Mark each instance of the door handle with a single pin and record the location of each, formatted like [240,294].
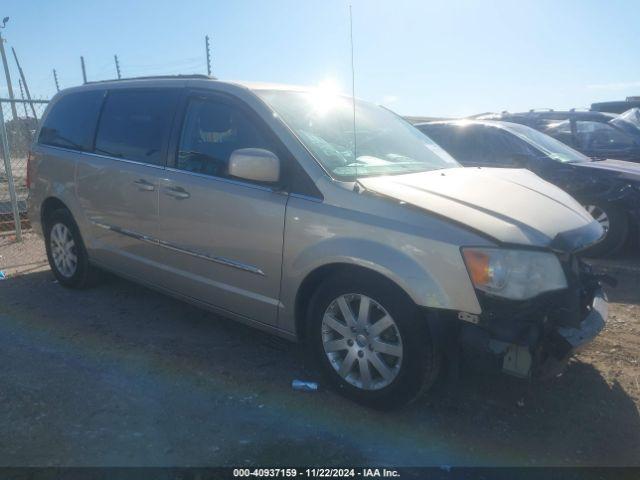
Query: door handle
[144,185]
[178,193]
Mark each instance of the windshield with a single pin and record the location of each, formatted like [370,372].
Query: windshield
[385,143]
[629,120]
[552,148]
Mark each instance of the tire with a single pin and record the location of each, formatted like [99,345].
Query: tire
[410,359]
[66,252]
[615,221]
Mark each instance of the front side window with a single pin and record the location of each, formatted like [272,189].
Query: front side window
[135,124]
[211,132]
[383,143]
[72,121]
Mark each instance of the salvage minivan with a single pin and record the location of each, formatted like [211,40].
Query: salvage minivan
[320,219]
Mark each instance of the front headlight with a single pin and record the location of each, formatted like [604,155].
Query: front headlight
[514,274]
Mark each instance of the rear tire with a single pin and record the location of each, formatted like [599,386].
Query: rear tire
[615,221]
[388,358]
[66,252]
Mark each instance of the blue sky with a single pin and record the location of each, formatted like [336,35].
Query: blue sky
[418,57]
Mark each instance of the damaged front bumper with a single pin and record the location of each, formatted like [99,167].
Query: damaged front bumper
[536,338]
[590,327]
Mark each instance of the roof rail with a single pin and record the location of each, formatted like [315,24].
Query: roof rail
[157,77]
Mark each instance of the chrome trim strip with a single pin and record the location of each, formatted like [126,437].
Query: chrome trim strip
[170,246]
[123,160]
[220,179]
[98,155]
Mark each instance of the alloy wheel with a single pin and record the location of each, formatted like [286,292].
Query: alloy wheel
[600,216]
[63,250]
[362,341]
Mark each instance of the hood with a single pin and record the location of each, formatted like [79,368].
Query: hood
[619,168]
[510,205]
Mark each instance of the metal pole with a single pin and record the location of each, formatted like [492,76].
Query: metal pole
[55,78]
[206,41]
[24,81]
[8,77]
[115,57]
[84,70]
[7,169]
[24,104]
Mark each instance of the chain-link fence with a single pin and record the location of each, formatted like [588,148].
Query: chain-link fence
[18,123]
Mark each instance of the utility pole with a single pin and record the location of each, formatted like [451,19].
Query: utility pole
[206,41]
[6,70]
[115,57]
[84,70]
[24,81]
[55,78]
[24,104]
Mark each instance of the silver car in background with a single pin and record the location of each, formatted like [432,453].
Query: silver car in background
[262,203]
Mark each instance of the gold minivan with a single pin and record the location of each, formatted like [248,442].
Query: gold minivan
[317,218]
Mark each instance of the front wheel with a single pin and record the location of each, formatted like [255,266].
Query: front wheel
[615,224]
[370,341]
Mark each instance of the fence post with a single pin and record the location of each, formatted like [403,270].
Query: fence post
[7,169]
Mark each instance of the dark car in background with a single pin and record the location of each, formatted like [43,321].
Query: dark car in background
[608,189]
[596,134]
[616,106]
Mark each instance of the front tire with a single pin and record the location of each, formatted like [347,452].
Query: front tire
[614,222]
[66,252]
[370,341]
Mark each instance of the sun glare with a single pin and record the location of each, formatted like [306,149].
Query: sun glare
[325,96]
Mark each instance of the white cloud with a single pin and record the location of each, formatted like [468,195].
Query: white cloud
[614,86]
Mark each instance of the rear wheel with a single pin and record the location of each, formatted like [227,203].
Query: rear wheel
[614,222]
[370,341]
[66,253]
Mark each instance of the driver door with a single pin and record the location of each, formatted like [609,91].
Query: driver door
[224,236]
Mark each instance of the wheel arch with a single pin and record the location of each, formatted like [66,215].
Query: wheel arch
[50,205]
[313,280]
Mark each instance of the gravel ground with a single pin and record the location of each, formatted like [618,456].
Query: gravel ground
[119,375]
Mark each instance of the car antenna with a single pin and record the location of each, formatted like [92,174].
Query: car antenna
[353,98]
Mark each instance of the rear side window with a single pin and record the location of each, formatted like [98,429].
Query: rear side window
[72,120]
[135,124]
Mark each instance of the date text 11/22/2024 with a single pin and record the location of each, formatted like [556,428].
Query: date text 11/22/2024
[316,472]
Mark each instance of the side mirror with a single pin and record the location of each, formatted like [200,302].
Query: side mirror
[254,164]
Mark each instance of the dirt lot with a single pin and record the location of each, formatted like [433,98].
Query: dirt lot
[121,375]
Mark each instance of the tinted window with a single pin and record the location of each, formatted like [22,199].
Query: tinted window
[72,120]
[600,136]
[134,125]
[450,139]
[211,132]
[479,145]
[560,130]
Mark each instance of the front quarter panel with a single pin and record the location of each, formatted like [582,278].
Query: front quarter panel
[417,251]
